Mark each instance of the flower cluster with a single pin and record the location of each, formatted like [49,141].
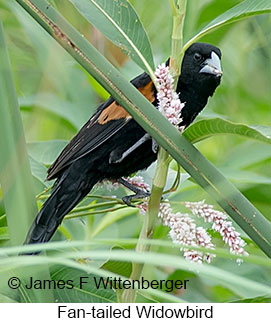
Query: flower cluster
[136,181]
[110,185]
[169,103]
[143,207]
[184,231]
[220,224]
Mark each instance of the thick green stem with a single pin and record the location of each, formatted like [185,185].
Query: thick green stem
[177,40]
[160,177]
[159,181]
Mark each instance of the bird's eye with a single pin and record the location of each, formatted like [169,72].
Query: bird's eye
[197,57]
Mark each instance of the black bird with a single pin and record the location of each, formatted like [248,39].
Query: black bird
[112,145]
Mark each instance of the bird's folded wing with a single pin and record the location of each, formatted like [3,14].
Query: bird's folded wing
[107,121]
[94,133]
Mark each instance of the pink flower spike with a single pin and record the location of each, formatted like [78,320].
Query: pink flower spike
[184,231]
[110,185]
[143,207]
[138,181]
[220,224]
[169,103]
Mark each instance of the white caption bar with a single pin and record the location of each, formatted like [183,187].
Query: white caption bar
[102,312]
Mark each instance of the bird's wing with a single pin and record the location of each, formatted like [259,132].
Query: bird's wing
[106,121]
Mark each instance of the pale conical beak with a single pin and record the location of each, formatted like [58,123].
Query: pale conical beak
[212,65]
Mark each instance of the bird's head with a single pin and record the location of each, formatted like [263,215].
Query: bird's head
[201,68]
[200,76]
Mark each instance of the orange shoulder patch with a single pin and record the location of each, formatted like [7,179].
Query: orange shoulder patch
[148,92]
[115,111]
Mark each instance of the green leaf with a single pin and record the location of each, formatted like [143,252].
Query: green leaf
[4,235]
[15,174]
[242,176]
[45,152]
[126,243]
[6,299]
[241,158]
[26,261]
[118,267]
[39,171]
[118,21]
[244,9]
[66,110]
[261,299]
[112,217]
[88,293]
[206,128]
[242,286]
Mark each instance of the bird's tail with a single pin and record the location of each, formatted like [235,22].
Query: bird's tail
[68,191]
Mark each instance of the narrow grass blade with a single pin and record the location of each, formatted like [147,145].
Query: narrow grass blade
[240,285]
[125,243]
[15,175]
[118,21]
[245,9]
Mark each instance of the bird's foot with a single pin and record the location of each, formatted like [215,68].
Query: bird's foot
[139,195]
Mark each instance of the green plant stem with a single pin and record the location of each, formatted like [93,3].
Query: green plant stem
[176,183]
[177,40]
[160,177]
[109,198]
[173,7]
[94,206]
[41,194]
[78,215]
[150,217]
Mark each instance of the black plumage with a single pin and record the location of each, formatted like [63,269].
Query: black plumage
[97,150]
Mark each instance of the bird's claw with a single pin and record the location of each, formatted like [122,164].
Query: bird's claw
[139,195]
